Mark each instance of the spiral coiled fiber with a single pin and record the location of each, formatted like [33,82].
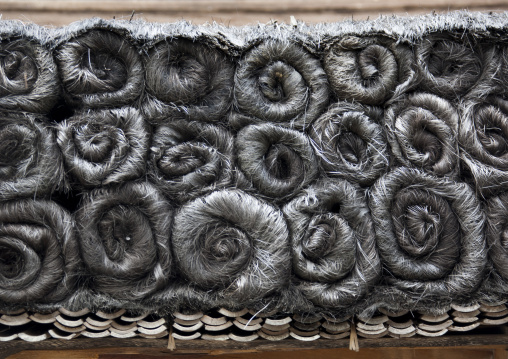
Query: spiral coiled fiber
[189,159]
[28,77]
[280,82]
[430,234]
[30,162]
[422,130]
[451,66]
[350,142]
[187,80]
[100,69]
[370,70]
[333,244]
[497,233]
[483,138]
[102,147]
[277,160]
[124,239]
[39,254]
[232,242]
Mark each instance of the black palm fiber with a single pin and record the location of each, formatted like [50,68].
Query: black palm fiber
[124,239]
[277,160]
[187,80]
[100,69]
[101,147]
[39,254]
[483,138]
[232,242]
[333,244]
[280,82]
[330,168]
[422,131]
[30,162]
[28,76]
[429,234]
[371,70]
[189,159]
[452,66]
[351,143]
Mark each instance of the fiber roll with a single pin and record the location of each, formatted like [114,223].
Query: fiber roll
[351,142]
[28,77]
[422,130]
[278,161]
[189,159]
[278,81]
[124,238]
[185,79]
[234,243]
[333,244]
[430,234]
[39,254]
[30,161]
[497,233]
[483,137]
[100,69]
[104,146]
[370,70]
[451,66]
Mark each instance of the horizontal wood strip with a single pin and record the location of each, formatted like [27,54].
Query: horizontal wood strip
[255,6]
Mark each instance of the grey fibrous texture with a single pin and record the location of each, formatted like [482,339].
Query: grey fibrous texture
[429,234]
[422,131]
[280,82]
[333,244]
[329,168]
[30,162]
[277,160]
[100,69]
[187,80]
[124,239]
[102,147]
[451,66]
[351,143]
[233,242]
[39,254]
[497,232]
[189,158]
[369,69]
[28,76]
[483,137]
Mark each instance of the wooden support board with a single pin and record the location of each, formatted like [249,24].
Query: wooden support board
[233,12]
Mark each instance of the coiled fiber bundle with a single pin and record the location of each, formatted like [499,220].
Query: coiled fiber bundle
[484,140]
[124,239]
[351,143]
[369,69]
[188,159]
[39,254]
[30,162]
[28,76]
[102,147]
[280,82]
[333,244]
[232,242]
[429,233]
[100,69]
[187,80]
[332,168]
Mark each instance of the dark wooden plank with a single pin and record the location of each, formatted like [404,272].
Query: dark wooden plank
[209,347]
[343,353]
[239,6]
